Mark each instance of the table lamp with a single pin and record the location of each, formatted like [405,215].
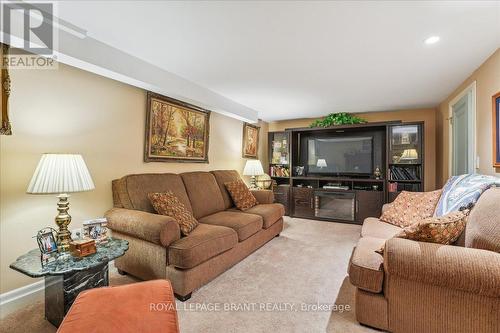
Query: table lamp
[321,163]
[61,174]
[253,168]
[409,154]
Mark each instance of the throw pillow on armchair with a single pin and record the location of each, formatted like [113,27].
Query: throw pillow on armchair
[411,207]
[441,230]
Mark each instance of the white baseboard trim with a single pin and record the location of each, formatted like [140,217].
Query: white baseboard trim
[18,298]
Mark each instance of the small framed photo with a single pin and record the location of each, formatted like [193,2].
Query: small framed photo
[46,239]
[96,230]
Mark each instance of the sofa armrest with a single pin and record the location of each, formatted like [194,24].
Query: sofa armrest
[263,196]
[467,269]
[154,228]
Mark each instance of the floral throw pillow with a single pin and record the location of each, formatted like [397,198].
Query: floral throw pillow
[411,207]
[168,204]
[241,195]
[442,230]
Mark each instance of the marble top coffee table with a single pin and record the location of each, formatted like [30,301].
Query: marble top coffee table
[65,278]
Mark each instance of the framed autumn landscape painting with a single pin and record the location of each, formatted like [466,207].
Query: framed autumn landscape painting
[175,131]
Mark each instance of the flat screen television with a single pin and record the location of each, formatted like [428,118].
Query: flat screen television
[340,155]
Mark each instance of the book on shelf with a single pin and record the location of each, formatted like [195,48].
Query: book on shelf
[403,173]
[399,187]
[279,171]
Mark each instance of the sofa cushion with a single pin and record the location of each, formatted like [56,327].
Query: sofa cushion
[244,224]
[373,227]
[168,204]
[270,213]
[483,226]
[411,207]
[442,230]
[203,192]
[224,176]
[366,267]
[203,243]
[131,191]
[241,195]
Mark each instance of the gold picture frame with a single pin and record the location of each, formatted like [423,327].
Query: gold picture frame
[496,129]
[175,131]
[250,146]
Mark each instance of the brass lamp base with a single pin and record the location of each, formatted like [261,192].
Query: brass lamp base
[253,183]
[63,219]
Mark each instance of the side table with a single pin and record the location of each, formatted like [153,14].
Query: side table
[66,278]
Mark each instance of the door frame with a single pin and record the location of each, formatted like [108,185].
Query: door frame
[471,88]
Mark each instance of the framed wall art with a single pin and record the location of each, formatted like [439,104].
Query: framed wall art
[496,130]
[175,131]
[250,140]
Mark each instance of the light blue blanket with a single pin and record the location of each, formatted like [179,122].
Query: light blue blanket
[460,191]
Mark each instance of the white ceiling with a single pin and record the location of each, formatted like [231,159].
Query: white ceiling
[303,59]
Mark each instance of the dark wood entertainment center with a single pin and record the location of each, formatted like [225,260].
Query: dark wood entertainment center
[397,149]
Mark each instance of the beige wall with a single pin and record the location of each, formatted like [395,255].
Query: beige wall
[487,78]
[428,116]
[72,111]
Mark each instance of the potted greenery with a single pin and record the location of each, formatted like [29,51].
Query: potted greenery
[336,119]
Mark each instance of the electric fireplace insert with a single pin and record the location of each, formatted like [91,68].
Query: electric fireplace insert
[335,205]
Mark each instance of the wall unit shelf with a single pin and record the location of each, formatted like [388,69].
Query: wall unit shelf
[396,146]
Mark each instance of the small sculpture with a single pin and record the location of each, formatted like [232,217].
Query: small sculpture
[377,173]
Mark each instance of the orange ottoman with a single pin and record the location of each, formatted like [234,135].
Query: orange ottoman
[139,307]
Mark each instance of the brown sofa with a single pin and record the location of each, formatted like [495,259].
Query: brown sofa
[225,235]
[426,287]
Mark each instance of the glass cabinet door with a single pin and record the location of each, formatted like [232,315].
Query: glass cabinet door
[405,144]
[280,148]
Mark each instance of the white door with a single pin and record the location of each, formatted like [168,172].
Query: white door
[462,134]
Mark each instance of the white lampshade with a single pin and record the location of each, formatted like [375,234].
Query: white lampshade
[253,168]
[409,154]
[60,173]
[321,163]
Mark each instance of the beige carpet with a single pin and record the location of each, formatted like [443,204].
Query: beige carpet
[276,289]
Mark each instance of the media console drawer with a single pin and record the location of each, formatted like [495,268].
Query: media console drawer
[282,196]
[303,202]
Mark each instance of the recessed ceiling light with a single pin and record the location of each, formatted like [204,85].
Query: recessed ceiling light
[431,40]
